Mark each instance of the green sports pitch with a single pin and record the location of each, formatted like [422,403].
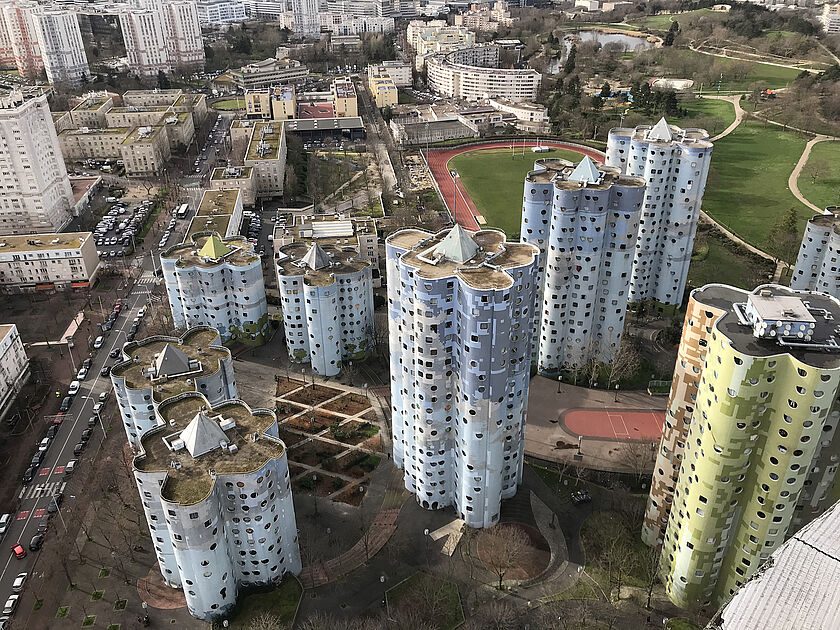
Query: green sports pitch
[495,179]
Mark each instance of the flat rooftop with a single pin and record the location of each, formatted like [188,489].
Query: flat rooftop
[141,355]
[265,141]
[82,185]
[483,270]
[5,329]
[42,242]
[215,212]
[315,110]
[344,88]
[561,173]
[821,308]
[91,104]
[189,478]
[324,124]
[235,172]
[829,218]
[341,260]
[145,134]
[96,131]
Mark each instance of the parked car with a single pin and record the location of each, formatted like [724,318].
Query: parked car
[74,388]
[37,542]
[70,467]
[92,421]
[82,374]
[11,603]
[105,371]
[115,353]
[37,458]
[44,444]
[78,449]
[98,342]
[57,420]
[103,397]
[581,496]
[44,525]
[52,431]
[87,363]
[55,503]
[19,551]
[65,404]
[86,435]
[20,580]
[29,475]
[98,407]
[5,521]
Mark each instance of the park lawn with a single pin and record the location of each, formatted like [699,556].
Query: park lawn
[412,591]
[280,602]
[701,111]
[715,259]
[662,22]
[826,191]
[228,105]
[747,187]
[761,73]
[495,181]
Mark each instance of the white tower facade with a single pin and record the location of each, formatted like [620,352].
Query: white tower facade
[214,483]
[675,164]
[327,298]
[37,196]
[306,14]
[155,369]
[585,222]
[217,282]
[62,48]
[162,36]
[816,265]
[460,310]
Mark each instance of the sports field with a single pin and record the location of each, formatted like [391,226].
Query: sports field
[824,162]
[495,179]
[747,187]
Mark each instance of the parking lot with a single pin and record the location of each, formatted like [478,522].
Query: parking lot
[117,230]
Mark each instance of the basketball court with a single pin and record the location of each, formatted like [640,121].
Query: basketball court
[615,424]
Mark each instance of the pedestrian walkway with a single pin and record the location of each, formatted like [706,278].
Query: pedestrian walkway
[793,180]
[372,541]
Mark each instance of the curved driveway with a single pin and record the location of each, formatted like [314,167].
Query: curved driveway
[463,208]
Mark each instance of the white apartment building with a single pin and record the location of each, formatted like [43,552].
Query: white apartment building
[363,8]
[344,24]
[162,36]
[460,314]
[220,11]
[399,71]
[268,73]
[675,164]
[154,370]
[20,42]
[584,219]
[327,299]
[37,196]
[471,74]
[531,117]
[434,38]
[266,154]
[14,366]
[816,265]
[305,17]
[830,18]
[217,282]
[35,262]
[265,9]
[62,49]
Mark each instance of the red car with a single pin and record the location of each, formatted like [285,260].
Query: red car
[19,551]
[118,307]
[56,420]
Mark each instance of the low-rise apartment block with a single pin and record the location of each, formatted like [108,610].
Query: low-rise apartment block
[146,151]
[269,72]
[91,111]
[400,72]
[530,117]
[274,103]
[342,24]
[240,178]
[220,211]
[40,262]
[434,38]
[266,154]
[383,90]
[220,12]
[92,142]
[344,97]
[14,366]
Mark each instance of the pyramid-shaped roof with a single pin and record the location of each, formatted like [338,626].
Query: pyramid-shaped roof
[316,258]
[214,248]
[202,435]
[660,131]
[586,172]
[457,246]
[171,362]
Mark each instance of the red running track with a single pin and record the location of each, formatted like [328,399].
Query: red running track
[615,424]
[465,209]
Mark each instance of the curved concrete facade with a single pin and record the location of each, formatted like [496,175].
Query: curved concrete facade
[675,164]
[585,221]
[139,387]
[816,265]
[219,520]
[460,334]
[759,456]
[220,287]
[327,299]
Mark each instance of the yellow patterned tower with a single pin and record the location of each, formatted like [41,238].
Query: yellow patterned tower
[748,454]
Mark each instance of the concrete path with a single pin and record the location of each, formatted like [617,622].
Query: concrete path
[793,180]
[739,114]
[725,55]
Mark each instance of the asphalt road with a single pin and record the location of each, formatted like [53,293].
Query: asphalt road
[34,497]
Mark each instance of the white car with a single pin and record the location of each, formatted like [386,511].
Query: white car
[98,407]
[11,604]
[20,580]
[74,388]
[99,341]
[141,312]
[82,375]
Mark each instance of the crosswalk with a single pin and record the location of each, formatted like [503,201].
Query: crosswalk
[42,490]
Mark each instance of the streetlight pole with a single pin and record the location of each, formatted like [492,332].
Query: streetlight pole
[70,352]
[454,175]
[616,393]
[559,383]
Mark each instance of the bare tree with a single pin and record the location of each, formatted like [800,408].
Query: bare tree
[817,170]
[650,570]
[494,615]
[638,456]
[428,596]
[501,547]
[626,362]
[266,621]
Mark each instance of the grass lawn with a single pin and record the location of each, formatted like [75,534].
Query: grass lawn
[772,76]
[747,186]
[826,191]
[711,114]
[716,259]
[495,182]
[662,22]
[424,592]
[280,602]
[229,104]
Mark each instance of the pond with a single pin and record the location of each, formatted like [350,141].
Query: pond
[627,42]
